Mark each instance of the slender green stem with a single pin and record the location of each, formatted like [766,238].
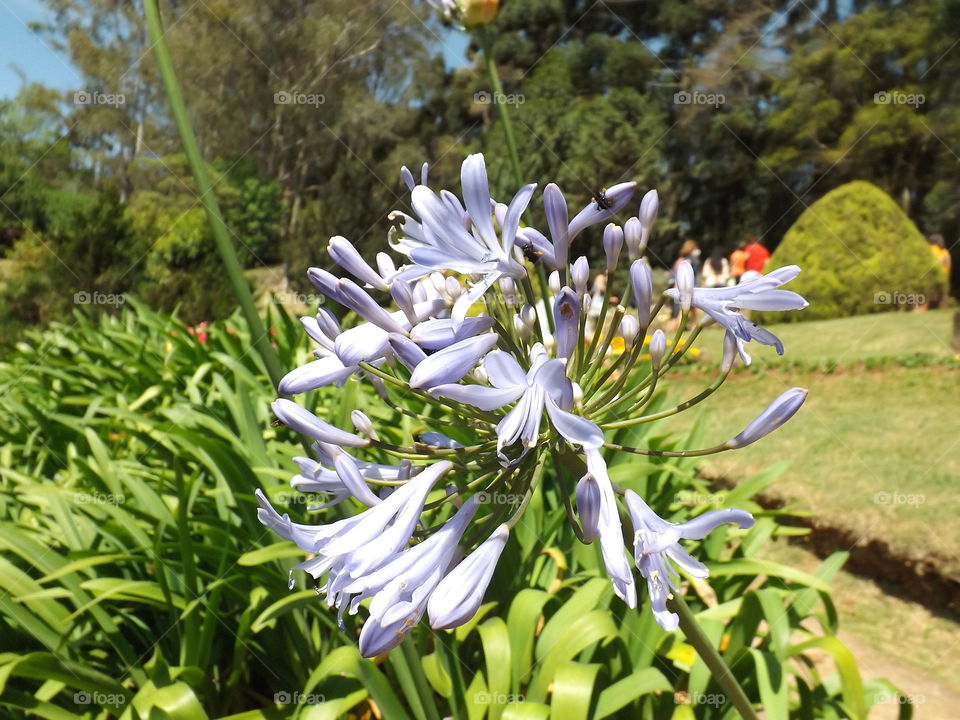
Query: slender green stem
[447,645]
[670,453]
[228,254]
[425,693]
[712,658]
[499,100]
[672,411]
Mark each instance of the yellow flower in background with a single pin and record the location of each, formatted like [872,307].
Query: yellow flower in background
[479,12]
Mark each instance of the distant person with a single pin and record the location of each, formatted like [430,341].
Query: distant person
[942,256]
[940,252]
[738,261]
[757,255]
[716,270]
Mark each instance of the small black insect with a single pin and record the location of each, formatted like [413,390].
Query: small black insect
[531,253]
[601,199]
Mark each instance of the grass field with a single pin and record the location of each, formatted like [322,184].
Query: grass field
[873,450]
[876,451]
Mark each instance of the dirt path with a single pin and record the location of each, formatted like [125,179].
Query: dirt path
[931,699]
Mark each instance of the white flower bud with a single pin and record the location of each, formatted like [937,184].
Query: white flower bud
[658,346]
[363,425]
[580,274]
[553,282]
[629,327]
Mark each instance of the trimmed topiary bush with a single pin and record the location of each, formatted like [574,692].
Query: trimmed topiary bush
[860,253]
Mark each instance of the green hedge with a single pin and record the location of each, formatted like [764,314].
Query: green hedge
[860,253]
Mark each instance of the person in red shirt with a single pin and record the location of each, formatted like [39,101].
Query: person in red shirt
[757,256]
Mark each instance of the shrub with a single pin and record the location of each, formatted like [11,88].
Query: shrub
[860,254]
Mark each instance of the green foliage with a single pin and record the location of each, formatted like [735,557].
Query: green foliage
[137,581]
[860,254]
[91,254]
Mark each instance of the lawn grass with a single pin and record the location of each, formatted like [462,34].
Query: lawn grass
[875,451]
[852,340]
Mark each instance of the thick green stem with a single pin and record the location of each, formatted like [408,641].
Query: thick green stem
[499,99]
[712,659]
[423,690]
[228,255]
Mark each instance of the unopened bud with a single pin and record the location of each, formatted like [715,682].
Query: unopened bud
[776,414]
[612,244]
[588,507]
[658,347]
[685,282]
[580,274]
[632,235]
[363,425]
[629,328]
[553,282]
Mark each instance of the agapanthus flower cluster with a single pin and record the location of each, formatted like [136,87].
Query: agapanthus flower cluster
[484,323]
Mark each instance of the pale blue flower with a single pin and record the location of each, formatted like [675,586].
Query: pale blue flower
[457,597]
[544,386]
[655,541]
[783,408]
[462,238]
[760,293]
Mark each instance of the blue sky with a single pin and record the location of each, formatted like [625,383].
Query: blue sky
[29,52]
[39,62]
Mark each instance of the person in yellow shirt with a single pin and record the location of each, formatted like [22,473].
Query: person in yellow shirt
[942,256]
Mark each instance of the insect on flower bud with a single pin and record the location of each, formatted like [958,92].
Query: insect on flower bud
[580,274]
[776,414]
[612,244]
[629,328]
[658,346]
